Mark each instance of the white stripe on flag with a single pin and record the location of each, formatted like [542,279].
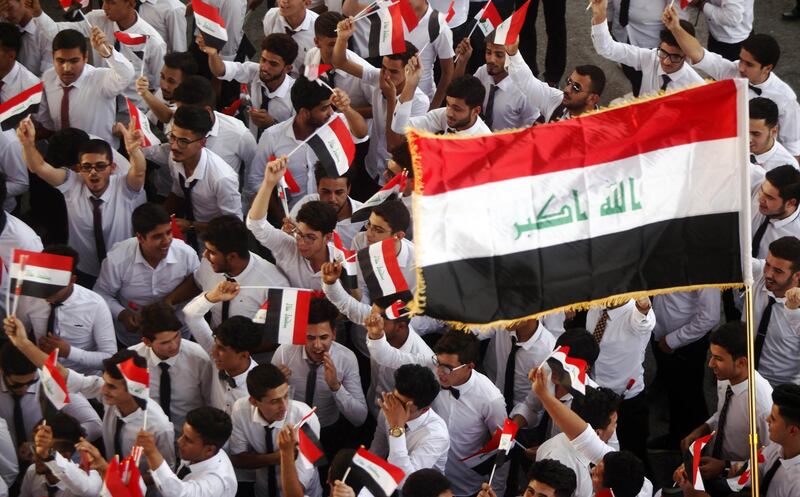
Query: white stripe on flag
[380,270]
[383,478]
[387,32]
[286,323]
[335,149]
[210,27]
[36,274]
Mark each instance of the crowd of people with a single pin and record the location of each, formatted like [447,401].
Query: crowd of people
[180,180]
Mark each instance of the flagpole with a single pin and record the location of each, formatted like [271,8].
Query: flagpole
[494,467]
[472,31]
[751,390]
[347,472]
[144,57]
[365,9]
[356,19]
[20,278]
[284,202]
[312,135]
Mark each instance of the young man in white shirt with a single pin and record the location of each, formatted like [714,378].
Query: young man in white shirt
[15,77]
[765,149]
[204,469]
[141,270]
[177,67]
[775,209]
[36,53]
[730,22]
[258,419]
[292,17]
[168,17]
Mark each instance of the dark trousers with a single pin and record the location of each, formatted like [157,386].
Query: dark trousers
[681,375]
[728,50]
[555,24]
[635,77]
[633,426]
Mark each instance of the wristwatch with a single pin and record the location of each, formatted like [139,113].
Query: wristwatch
[396,431]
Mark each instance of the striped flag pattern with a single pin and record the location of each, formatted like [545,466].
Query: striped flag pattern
[285,314]
[380,269]
[488,18]
[142,124]
[43,274]
[334,147]
[21,105]
[53,384]
[210,23]
[386,36]
[379,476]
[508,30]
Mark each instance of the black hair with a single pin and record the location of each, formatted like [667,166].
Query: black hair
[787,398]
[666,36]
[195,91]
[405,55]
[786,179]
[281,45]
[158,317]
[732,337]
[65,250]
[228,234]
[195,119]
[402,155]
[67,431]
[148,217]
[263,378]
[10,37]
[418,383]
[426,482]
[581,343]
[14,362]
[596,75]
[325,25]
[469,88]
[62,149]
[308,94]
[555,475]
[321,172]
[340,463]
[596,407]
[181,61]
[395,213]
[764,49]
[465,345]
[788,249]
[764,108]
[110,365]
[212,424]
[69,39]
[623,473]
[319,216]
[321,310]
[238,333]
[96,146]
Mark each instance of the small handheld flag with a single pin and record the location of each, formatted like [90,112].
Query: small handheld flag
[568,372]
[695,453]
[393,189]
[21,105]
[508,31]
[137,380]
[381,269]
[43,274]
[142,125]
[334,147]
[310,448]
[379,476]
[53,384]
[285,314]
[210,23]
[348,260]
[176,231]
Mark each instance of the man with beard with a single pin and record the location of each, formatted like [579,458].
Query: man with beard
[775,212]
[505,106]
[269,80]
[177,67]
[765,149]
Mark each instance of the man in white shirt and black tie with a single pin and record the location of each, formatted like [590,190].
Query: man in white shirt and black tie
[775,209]
[765,149]
[36,53]
[14,77]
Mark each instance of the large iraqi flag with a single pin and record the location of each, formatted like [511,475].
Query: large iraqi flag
[648,198]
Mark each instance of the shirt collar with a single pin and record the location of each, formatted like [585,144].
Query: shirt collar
[530,343]
[250,267]
[476,128]
[199,171]
[766,83]
[32,389]
[780,223]
[12,74]
[134,416]
[87,68]
[206,465]
[414,424]
[282,90]
[215,127]
[794,461]
[739,388]
[257,418]
[304,26]
[154,359]
[762,158]
[505,84]
[138,257]
[619,311]
[467,385]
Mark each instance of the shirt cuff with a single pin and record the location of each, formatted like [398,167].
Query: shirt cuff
[230,70]
[198,306]
[514,60]
[402,113]
[397,445]
[162,472]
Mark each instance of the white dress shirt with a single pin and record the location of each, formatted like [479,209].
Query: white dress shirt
[511,109]
[233,13]
[303,35]
[217,190]
[190,373]
[776,156]
[644,22]
[786,480]
[167,17]
[729,21]
[424,444]
[229,138]
[346,228]
[360,93]
[434,121]
[213,477]
[258,272]
[348,401]
[13,165]
[685,317]
[777,228]
[15,235]
[93,99]
[280,101]
[622,348]
[642,59]
[83,321]
[119,201]
[17,80]
[439,48]
[542,96]
[9,466]
[594,449]
[735,446]
[37,44]
[72,480]
[249,435]
[78,407]
[559,448]
[772,88]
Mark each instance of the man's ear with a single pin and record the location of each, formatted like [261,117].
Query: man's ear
[399,234]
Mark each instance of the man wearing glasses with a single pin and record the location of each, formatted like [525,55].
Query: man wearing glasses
[662,68]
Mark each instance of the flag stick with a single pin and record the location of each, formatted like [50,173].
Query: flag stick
[326,85]
[284,202]
[671,3]
[469,36]
[144,57]
[494,467]
[751,390]
[347,472]
[364,9]
[358,18]
[85,19]
[305,418]
[589,6]
[18,290]
[312,135]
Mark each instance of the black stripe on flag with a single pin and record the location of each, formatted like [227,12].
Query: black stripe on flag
[12,121]
[324,156]
[36,289]
[272,323]
[700,250]
[374,42]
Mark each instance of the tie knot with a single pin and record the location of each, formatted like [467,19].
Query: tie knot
[728,391]
[229,278]
[97,202]
[223,376]
[756,89]
[164,366]
[454,392]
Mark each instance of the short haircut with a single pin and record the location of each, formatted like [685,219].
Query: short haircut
[181,61]
[308,94]
[281,45]
[69,39]
[238,333]
[96,146]
[461,343]
[66,251]
[788,249]
[395,213]
[319,216]
[10,37]
[213,425]
[110,364]
[469,88]
[14,362]
[263,378]
[195,119]
[402,155]
[195,91]
[321,310]
[596,75]
[666,36]
[426,482]
[581,343]
[325,25]
[321,172]
[148,217]
[623,473]
[787,398]
[62,149]
[766,109]
[554,474]
[229,235]
[340,464]
[417,382]
[405,55]
[158,317]
[764,49]
[596,407]
[732,337]
[786,179]
[67,431]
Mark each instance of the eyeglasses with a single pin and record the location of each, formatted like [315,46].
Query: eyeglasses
[300,236]
[378,230]
[181,142]
[86,167]
[673,57]
[576,87]
[446,369]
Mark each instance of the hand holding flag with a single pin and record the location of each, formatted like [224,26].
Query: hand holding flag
[378,475]
[54,385]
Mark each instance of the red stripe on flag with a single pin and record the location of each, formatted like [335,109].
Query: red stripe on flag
[21,97]
[594,139]
[301,317]
[208,11]
[176,231]
[396,473]
[308,448]
[409,16]
[398,36]
[132,372]
[390,259]
[130,39]
[517,19]
[451,11]
[342,133]
[490,14]
[39,259]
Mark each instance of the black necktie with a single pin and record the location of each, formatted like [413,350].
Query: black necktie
[97,223]
[454,392]
[51,318]
[118,436]
[508,386]
[272,481]
[191,237]
[756,89]
[763,325]
[665,80]
[226,305]
[223,376]
[764,485]
[289,31]
[264,99]
[311,383]
[52,491]
[762,228]
[487,115]
[624,8]
[716,451]
[19,420]
[183,471]
[753,159]
[165,389]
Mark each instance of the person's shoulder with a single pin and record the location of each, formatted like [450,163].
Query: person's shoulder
[241,409]
[123,250]
[343,352]
[89,296]
[231,123]
[194,350]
